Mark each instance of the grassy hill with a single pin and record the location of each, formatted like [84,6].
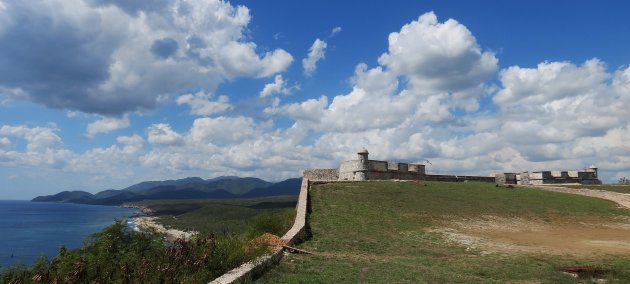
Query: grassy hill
[406,232]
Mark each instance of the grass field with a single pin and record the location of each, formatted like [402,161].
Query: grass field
[392,232]
[221,216]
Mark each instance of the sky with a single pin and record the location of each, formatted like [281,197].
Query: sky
[101,94]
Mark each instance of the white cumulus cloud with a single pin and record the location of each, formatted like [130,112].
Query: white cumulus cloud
[201,103]
[106,125]
[119,57]
[438,56]
[162,134]
[279,86]
[317,51]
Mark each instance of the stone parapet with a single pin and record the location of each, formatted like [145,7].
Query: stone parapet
[321,174]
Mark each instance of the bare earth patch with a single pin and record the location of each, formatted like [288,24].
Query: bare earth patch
[494,234]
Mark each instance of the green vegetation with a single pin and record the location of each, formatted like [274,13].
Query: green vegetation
[120,255]
[384,232]
[221,216]
[621,188]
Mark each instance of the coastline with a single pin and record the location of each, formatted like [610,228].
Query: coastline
[149,223]
[144,221]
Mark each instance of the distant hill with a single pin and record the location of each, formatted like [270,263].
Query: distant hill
[65,196]
[287,187]
[187,188]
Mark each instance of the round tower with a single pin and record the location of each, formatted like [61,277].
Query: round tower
[592,169]
[362,165]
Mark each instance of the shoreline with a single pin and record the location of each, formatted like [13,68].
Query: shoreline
[149,223]
[145,221]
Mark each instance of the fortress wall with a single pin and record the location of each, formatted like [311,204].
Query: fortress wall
[379,170]
[321,174]
[380,166]
[550,177]
[250,270]
[391,166]
[374,175]
[453,178]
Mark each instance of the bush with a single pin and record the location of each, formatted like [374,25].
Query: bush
[276,223]
[118,254]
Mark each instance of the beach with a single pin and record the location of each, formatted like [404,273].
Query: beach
[146,223]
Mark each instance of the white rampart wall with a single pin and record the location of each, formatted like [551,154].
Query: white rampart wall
[246,272]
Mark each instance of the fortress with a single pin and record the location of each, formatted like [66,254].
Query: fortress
[587,176]
[363,169]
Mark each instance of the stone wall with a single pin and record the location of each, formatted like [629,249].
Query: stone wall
[549,177]
[374,175]
[380,170]
[321,174]
[250,270]
[454,178]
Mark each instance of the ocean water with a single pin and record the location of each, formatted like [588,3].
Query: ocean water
[30,229]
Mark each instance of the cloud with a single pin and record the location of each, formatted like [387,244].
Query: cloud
[222,131]
[133,7]
[44,148]
[279,86]
[439,57]
[4,142]
[335,31]
[164,48]
[553,115]
[445,69]
[106,125]
[201,104]
[113,57]
[316,52]
[162,134]
[548,82]
[310,110]
[37,138]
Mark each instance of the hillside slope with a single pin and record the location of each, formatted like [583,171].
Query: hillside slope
[407,232]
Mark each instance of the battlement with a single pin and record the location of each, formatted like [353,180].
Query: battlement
[365,169]
[586,176]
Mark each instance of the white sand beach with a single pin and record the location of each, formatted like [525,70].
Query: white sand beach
[150,223]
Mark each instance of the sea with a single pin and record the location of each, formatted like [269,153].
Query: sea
[32,229]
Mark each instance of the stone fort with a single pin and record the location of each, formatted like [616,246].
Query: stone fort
[363,169]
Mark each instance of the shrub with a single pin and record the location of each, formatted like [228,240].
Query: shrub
[118,254]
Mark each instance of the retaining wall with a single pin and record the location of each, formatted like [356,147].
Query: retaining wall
[250,270]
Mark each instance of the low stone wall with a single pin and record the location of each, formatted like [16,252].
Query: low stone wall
[453,178]
[374,175]
[250,270]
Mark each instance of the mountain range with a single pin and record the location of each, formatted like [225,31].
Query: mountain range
[186,188]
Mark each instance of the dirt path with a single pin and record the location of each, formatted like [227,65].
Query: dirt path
[622,199]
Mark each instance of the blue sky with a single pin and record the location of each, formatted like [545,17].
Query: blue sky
[99,94]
